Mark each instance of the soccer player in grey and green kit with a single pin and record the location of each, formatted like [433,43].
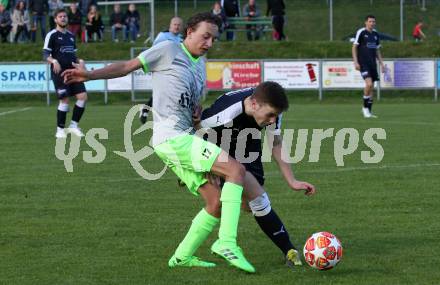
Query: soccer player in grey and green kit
[178,75]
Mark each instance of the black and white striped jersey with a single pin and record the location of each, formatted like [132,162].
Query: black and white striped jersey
[367,44]
[227,117]
[228,112]
[61,46]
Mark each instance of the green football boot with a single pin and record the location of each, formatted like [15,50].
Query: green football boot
[292,258]
[193,261]
[233,255]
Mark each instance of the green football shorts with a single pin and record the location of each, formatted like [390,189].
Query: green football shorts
[190,157]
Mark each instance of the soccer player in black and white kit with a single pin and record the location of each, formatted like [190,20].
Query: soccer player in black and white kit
[60,51]
[243,114]
[365,51]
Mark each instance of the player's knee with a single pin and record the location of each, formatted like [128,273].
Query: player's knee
[369,85]
[241,170]
[64,100]
[213,207]
[234,171]
[238,171]
[82,97]
[260,206]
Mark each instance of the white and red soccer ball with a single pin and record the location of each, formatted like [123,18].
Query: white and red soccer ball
[323,251]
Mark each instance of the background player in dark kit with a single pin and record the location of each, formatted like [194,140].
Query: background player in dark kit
[365,50]
[60,52]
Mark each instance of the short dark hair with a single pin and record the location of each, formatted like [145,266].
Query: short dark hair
[195,20]
[370,16]
[273,94]
[58,11]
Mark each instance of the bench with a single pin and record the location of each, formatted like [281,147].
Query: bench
[264,24]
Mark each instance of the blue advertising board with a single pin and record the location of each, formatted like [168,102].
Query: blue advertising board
[408,74]
[95,85]
[23,78]
[33,77]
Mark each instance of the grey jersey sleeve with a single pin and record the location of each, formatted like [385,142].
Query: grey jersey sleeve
[158,57]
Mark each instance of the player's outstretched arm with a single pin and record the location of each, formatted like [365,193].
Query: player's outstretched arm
[80,74]
[287,172]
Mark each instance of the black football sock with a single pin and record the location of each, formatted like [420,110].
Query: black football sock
[149,104]
[274,228]
[370,103]
[61,119]
[61,114]
[78,111]
[366,99]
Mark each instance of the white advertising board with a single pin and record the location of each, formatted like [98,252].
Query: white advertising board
[293,74]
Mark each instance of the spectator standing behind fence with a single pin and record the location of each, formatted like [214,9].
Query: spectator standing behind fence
[173,32]
[53,6]
[232,9]
[276,9]
[21,22]
[418,34]
[5,23]
[39,9]
[117,22]
[74,17]
[94,25]
[251,11]
[218,11]
[132,19]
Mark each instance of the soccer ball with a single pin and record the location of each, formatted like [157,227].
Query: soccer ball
[323,251]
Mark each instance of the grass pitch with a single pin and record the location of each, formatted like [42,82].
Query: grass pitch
[103,224]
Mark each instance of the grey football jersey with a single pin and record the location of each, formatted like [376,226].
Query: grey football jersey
[178,85]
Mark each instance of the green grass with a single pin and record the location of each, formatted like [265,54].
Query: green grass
[237,50]
[103,224]
[303,97]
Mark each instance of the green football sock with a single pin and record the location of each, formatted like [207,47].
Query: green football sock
[231,204]
[202,225]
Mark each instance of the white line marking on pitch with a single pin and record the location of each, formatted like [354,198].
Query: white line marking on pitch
[276,173]
[15,111]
